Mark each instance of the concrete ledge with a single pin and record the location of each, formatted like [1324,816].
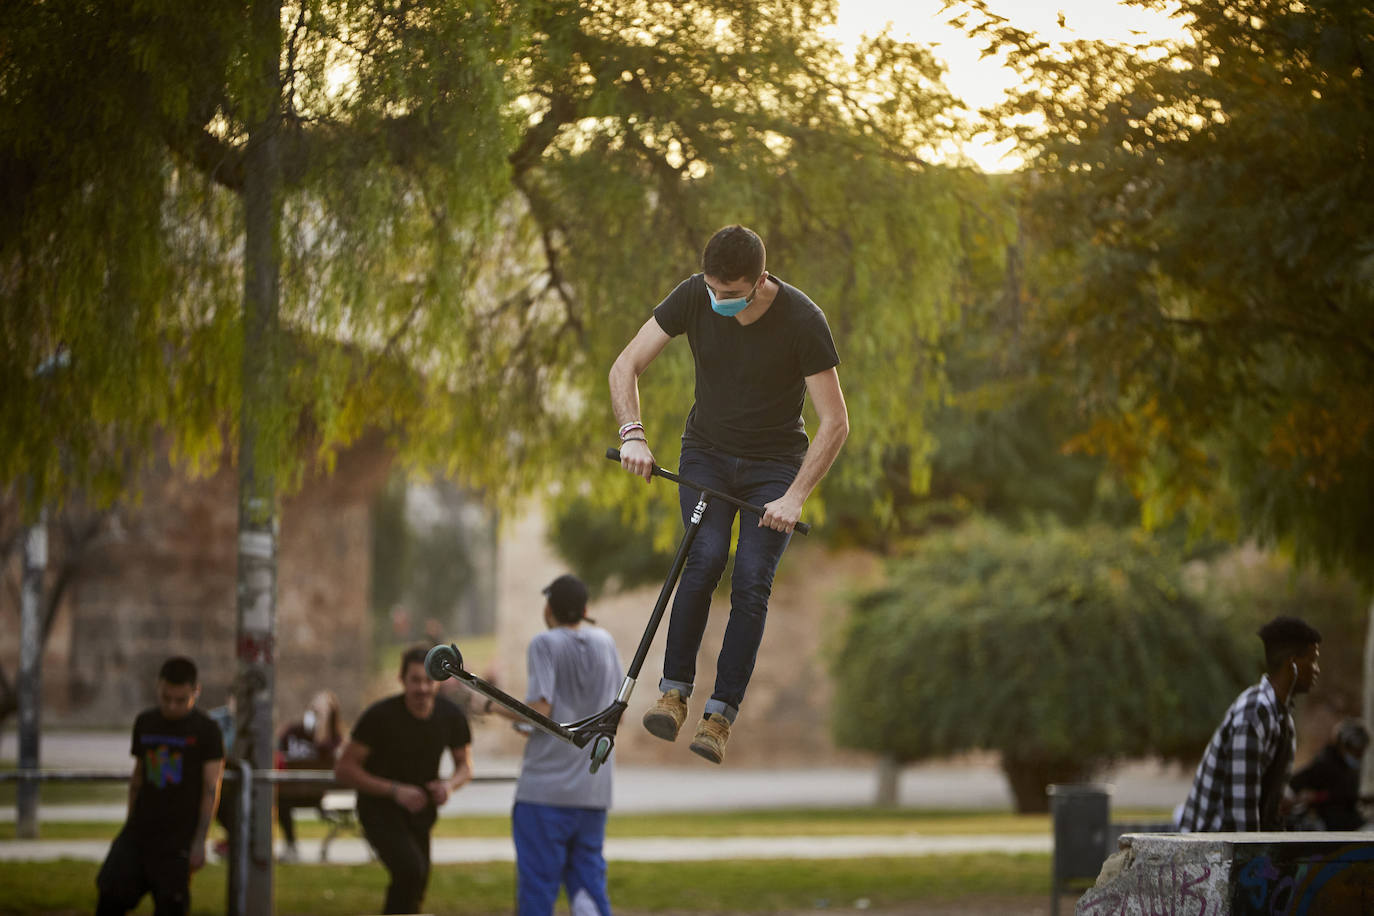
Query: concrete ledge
[1236,874]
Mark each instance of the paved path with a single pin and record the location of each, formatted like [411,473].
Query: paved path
[701,787]
[940,785]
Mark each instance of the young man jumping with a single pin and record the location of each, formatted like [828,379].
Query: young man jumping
[761,346]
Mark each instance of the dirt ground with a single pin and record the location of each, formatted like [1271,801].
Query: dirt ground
[788,707]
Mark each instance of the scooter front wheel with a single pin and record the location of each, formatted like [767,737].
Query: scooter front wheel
[601,749]
[442,661]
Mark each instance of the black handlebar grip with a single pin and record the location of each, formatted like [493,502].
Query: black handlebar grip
[613,454]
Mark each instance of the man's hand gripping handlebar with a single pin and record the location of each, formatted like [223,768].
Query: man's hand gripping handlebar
[613,454]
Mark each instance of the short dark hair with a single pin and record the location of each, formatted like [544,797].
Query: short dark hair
[734,253]
[567,599]
[179,670]
[1353,734]
[1285,638]
[415,655]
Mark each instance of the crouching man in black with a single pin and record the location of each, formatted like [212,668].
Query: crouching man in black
[392,760]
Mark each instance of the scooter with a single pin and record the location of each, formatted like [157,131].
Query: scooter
[598,730]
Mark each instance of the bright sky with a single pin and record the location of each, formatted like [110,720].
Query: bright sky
[981,82]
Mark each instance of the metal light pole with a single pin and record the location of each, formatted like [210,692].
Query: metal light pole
[30,686]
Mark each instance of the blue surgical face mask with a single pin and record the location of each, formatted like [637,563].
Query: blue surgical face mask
[730,307]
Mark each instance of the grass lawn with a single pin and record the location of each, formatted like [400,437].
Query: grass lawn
[49,889]
[891,885]
[69,793]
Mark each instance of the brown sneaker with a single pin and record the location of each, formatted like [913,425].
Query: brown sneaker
[712,734]
[665,718]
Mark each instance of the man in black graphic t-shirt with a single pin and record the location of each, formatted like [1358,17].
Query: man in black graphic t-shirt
[178,760]
[761,347]
[392,760]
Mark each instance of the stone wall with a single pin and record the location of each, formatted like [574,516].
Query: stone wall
[785,719]
[160,580]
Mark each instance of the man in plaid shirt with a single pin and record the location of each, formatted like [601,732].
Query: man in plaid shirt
[1242,778]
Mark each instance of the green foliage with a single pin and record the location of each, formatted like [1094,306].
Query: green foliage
[1000,432]
[1249,588]
[479,203]
[1069,645]
[424,568]
[781,143]
[603,549]
[123,148]
[391,550]
[1205,265]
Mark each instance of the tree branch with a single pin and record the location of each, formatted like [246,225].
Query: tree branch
[218,160]
[1346,341]
[78,537]
[562,111]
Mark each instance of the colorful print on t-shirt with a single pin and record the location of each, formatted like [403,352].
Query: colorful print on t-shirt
[164,759]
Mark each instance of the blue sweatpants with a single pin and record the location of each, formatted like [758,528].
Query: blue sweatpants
[559,847]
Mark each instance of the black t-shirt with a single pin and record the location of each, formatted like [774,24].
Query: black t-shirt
[405,749]
[750,378]
[1329,773]
[173,753]
[297,749]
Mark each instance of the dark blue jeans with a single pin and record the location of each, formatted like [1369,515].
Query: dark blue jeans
[755,481]
[559,847]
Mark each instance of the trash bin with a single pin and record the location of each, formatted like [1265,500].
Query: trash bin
[1081,815]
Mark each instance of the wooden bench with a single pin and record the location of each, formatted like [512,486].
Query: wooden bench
[339,809]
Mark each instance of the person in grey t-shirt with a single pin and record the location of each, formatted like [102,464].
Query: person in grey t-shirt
[559,819]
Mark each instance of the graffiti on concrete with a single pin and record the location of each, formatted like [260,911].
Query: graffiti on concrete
[255,648]
[1175,888]
[1296,875]
[1293,881]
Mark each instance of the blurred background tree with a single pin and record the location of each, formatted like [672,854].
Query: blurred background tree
[476,205]
[1248,587]
[1202,274]
[1062,649]
[469,209]
[999,431]
[260,229]
[1202,270]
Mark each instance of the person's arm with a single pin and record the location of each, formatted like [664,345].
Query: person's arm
[1312,782]
[635,456]
[1245,777]
[135,784]
[543,707]
[210,774]
[349,771]
[831,432]
[441,789]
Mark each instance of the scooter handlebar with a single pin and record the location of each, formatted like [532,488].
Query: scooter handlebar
[613,454]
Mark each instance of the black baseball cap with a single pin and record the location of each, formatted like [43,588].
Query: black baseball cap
[568,599]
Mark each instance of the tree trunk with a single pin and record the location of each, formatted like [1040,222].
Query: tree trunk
[1029,776]
[30,681]
[889,782]
[1367,776]
[250,885]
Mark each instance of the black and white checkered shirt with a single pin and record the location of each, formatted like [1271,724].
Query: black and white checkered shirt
[1228,785]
